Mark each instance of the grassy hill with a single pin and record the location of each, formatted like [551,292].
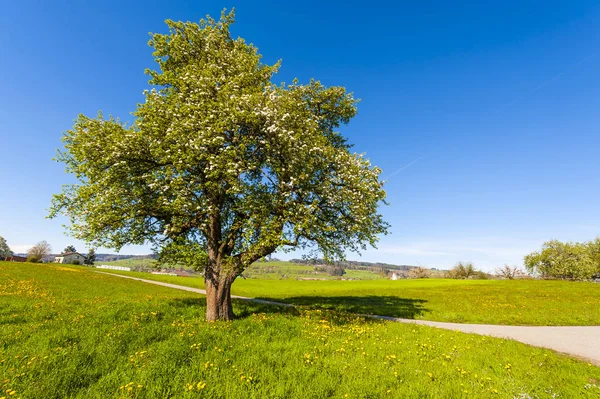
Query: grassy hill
[68,332]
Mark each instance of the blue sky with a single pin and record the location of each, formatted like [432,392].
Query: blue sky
[483,117]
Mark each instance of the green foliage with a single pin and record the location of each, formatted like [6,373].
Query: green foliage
[220,162]
[68,332]
[90,258]
[462,270]
[331,270]
[4,249]
[69,249]
[75,262]
[181,252]
[565,260]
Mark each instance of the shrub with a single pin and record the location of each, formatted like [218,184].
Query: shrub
[331,270]
[481,275]
[336,271]
[75,262]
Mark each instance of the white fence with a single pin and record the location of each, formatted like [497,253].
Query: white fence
[123,268]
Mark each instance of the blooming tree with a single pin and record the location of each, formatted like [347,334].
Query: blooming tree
[565,260]
[221,167]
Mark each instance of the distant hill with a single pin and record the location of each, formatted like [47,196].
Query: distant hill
[354,265]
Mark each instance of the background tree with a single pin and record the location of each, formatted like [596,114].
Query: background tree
[419,272]
[4,249]
[69,249]
[510,272]
[462,270]
[594,253]
[564,260]
[221,167]
[38,252]
[90,258]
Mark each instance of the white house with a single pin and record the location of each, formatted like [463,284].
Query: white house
[70,257]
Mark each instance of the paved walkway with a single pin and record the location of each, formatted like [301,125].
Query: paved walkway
[581,342]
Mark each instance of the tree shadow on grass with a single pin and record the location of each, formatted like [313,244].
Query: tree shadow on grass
[242,307]
[390,306]
[382,305]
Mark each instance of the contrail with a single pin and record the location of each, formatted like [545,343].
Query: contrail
[545,83]
[402,168]
[513,102]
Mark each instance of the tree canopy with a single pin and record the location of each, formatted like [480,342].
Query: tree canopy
[220,166]
[4,248]
[90,258]
[566,260]
[69,249]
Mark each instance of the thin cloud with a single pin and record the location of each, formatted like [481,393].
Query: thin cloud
[402,168]
[20,248]
[545,83]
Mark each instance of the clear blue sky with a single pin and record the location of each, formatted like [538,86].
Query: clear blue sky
[485,118]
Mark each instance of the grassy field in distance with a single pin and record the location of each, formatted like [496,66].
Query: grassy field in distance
[511,302]
[70,332]
[274,270]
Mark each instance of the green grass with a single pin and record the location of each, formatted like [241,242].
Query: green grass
[516,302]
[71,333]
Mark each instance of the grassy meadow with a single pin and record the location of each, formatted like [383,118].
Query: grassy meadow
[510,302]
[273,270]
[67,332]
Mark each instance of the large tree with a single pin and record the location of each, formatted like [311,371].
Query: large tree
[565,260]
[221,167]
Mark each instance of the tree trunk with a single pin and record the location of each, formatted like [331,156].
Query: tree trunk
[218,297]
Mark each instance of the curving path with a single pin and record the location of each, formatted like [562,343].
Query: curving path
[580,341]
